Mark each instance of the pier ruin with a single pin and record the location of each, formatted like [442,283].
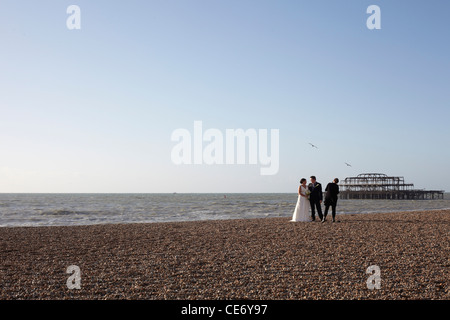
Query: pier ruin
[382,186]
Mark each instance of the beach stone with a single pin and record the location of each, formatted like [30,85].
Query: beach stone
[267,258]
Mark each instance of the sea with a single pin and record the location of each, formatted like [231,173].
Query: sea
[69,209]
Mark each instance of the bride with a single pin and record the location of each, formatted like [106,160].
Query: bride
[301,212]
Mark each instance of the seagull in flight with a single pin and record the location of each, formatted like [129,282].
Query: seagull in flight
[313,145]
[348,165]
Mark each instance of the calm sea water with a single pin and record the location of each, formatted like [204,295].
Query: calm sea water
[86,209]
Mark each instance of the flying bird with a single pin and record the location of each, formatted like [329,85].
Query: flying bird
[348,165]
[313,145]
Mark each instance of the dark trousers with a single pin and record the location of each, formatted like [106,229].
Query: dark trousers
[333,204]
[316,204]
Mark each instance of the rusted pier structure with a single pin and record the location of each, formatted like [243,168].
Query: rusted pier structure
[381,186]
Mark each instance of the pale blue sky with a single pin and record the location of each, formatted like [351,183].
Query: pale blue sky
[92,110]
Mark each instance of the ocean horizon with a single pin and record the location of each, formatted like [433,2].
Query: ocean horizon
[69,209]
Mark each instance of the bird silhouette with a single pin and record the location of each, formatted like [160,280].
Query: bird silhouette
[313,145]
[348,165]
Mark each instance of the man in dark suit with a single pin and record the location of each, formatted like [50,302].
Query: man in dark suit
[315,198]
[331,198]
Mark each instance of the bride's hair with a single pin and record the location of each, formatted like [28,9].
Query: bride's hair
[302,180]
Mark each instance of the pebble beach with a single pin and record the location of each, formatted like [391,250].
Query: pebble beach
[267,258]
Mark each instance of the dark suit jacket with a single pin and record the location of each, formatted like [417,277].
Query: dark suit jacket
[332,191]
[316,192]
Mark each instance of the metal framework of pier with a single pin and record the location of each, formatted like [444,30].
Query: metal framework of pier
[381,186]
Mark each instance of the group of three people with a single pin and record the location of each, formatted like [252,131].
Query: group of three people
[311,196]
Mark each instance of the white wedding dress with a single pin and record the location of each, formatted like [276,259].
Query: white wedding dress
[301,212]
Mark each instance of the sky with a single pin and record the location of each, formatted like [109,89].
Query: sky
[94,109]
